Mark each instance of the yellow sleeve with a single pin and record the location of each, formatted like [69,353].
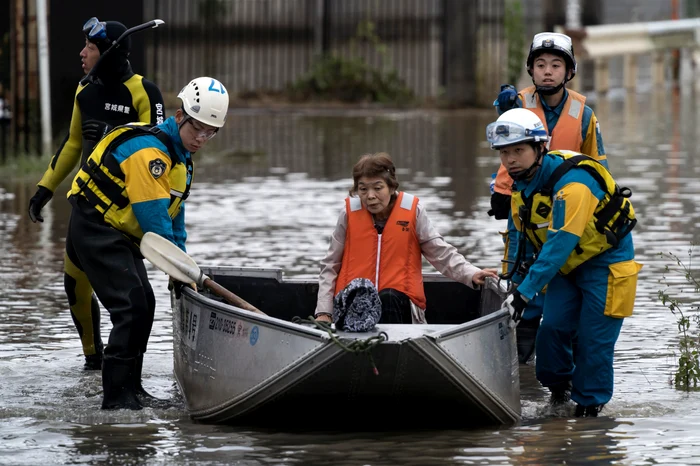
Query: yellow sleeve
[147,100]
[69,152]
[593,144]
[146,175]
[574,205]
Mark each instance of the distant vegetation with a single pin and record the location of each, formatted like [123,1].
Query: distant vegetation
[687,311]
[353,79]
[24,166]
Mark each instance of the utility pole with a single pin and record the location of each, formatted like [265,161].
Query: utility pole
[573,14]
[44,77]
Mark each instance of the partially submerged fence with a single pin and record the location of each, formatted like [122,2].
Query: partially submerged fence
[253,45]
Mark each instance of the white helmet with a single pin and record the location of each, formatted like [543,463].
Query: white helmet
[515,126]
[205,99]
[556,43]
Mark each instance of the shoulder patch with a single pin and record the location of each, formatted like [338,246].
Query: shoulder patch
[157,168]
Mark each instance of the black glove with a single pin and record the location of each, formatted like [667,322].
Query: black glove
[516,304]
[94,130]
[37,202]
[500,206]
[177,286]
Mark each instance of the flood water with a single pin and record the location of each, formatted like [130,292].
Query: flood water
[267,193]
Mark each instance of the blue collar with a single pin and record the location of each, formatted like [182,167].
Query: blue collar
[528,187]
[556,110]
[169,127]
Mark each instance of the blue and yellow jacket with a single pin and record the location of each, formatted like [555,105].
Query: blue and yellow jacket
[592,144]
[138,183]
[577,196]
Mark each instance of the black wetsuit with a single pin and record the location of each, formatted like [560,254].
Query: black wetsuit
[120,97]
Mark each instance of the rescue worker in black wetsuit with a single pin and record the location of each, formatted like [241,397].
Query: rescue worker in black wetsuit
[115,96]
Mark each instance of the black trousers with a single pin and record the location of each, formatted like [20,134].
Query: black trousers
[396,307]
[115,268]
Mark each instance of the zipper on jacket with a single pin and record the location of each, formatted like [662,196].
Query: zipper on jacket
[379,255]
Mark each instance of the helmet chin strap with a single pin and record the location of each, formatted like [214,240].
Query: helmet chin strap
[551,90]
[528,172]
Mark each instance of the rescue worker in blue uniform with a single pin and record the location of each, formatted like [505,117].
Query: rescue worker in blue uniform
[579,220]
[115,96]
[136,181]
[570,124]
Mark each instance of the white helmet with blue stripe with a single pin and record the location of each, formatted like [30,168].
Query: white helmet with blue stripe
[205,99]
[514,127]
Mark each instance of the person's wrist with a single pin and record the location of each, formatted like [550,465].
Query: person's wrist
[518,294]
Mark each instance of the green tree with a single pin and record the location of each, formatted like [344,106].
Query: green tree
[514,26]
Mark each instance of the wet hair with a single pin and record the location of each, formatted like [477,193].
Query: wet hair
[377,165]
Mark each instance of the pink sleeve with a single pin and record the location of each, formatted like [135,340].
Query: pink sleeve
[330,266]
[440,254]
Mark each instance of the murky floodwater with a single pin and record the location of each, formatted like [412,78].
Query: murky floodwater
[271,199]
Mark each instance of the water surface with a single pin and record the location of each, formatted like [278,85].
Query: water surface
[267,193]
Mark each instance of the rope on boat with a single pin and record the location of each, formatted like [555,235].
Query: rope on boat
[356,347]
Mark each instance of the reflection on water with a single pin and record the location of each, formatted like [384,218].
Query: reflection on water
[267,194]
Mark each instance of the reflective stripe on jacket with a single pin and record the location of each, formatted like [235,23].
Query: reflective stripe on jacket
[566,135]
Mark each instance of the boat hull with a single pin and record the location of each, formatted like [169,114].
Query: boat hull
[238,367]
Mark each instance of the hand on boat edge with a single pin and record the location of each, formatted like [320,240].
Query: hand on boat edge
[516,304]
[177,286]
[479,278]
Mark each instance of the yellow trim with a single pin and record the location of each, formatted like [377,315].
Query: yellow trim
[139,98]
[82,308]
[591,242]
[71,152]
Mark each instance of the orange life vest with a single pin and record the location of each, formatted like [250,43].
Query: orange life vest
[392,259]
[565,136]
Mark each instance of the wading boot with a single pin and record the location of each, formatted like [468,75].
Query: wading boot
[145,398]
[588,411]
[560,394]
[93,362]
[526,334]
[118,384]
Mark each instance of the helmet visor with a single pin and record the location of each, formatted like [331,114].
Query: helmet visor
[505,133]
[552,40]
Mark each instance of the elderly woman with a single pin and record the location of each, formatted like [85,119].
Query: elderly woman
[373,269]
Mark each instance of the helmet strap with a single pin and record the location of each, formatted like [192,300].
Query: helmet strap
[551,90]
[184,118]
[528,172]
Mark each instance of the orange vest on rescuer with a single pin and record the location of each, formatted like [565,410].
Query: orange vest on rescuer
[392,259]
[566,134]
